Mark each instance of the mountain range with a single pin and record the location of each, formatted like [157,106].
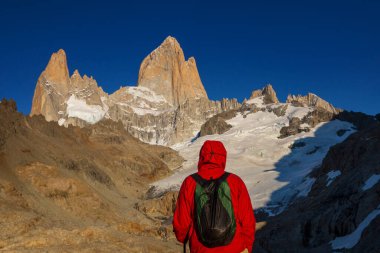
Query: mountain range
[96,167]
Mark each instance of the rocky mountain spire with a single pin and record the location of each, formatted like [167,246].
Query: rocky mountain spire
[55,86]
[162,110]
[269,94]
[52,86]
[57,71]
[166,72]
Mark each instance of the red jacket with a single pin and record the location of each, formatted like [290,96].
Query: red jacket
[212,162]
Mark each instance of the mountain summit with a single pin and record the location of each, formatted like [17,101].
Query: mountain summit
[168,106]
[166,72]
[268,93]
[55,86]
[47,98]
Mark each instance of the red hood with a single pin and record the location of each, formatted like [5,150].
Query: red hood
[212,160]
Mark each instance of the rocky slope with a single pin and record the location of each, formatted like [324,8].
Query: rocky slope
[308,193]
[168,106]
[264,141]
[341,213]
[313,181]
[76,189]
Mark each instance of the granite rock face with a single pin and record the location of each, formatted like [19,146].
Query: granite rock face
[168,106]
[48,98]
[55,88]
[166,72]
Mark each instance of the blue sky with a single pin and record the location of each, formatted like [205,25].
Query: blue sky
[330,48]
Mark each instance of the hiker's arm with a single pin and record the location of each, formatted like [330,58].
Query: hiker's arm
[247,218]
[182,218]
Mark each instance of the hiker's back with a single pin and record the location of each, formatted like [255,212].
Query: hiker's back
[214,210]
[242,213]
[214,218]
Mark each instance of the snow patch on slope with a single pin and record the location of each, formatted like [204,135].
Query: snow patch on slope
[145,93]
[305,187]
[259,101]
[274,174]
[77,108]
[61,121]
[350,240]
[374,179]
[332,175]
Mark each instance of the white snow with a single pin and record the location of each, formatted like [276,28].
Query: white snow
[332,175]
[350,240]
[259,101]
[371,181]
[273,173]
[305,187]
[78,108]
[61,121]
[142,101]
[143,111]
[298,112]
[146,94]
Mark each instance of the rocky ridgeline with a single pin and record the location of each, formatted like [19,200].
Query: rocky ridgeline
[312,100]
[266,100]
[168,106]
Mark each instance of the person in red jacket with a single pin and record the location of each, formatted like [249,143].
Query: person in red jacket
[211,165]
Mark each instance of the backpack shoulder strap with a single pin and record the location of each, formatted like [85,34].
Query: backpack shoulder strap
[223,177]
[202,182]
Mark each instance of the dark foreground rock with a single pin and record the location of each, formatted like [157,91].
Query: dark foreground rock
[334,207]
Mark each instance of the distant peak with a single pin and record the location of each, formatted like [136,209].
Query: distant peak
[268,93]
[170,39]
[61,52]
[76,73]
[268,86]
[170,43]
[56,70]
[59,56]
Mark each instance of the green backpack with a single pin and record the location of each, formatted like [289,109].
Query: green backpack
[214,219]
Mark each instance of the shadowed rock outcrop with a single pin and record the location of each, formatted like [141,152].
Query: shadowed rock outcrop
[336,205]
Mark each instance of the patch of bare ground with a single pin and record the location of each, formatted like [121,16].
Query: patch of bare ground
[76,190]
